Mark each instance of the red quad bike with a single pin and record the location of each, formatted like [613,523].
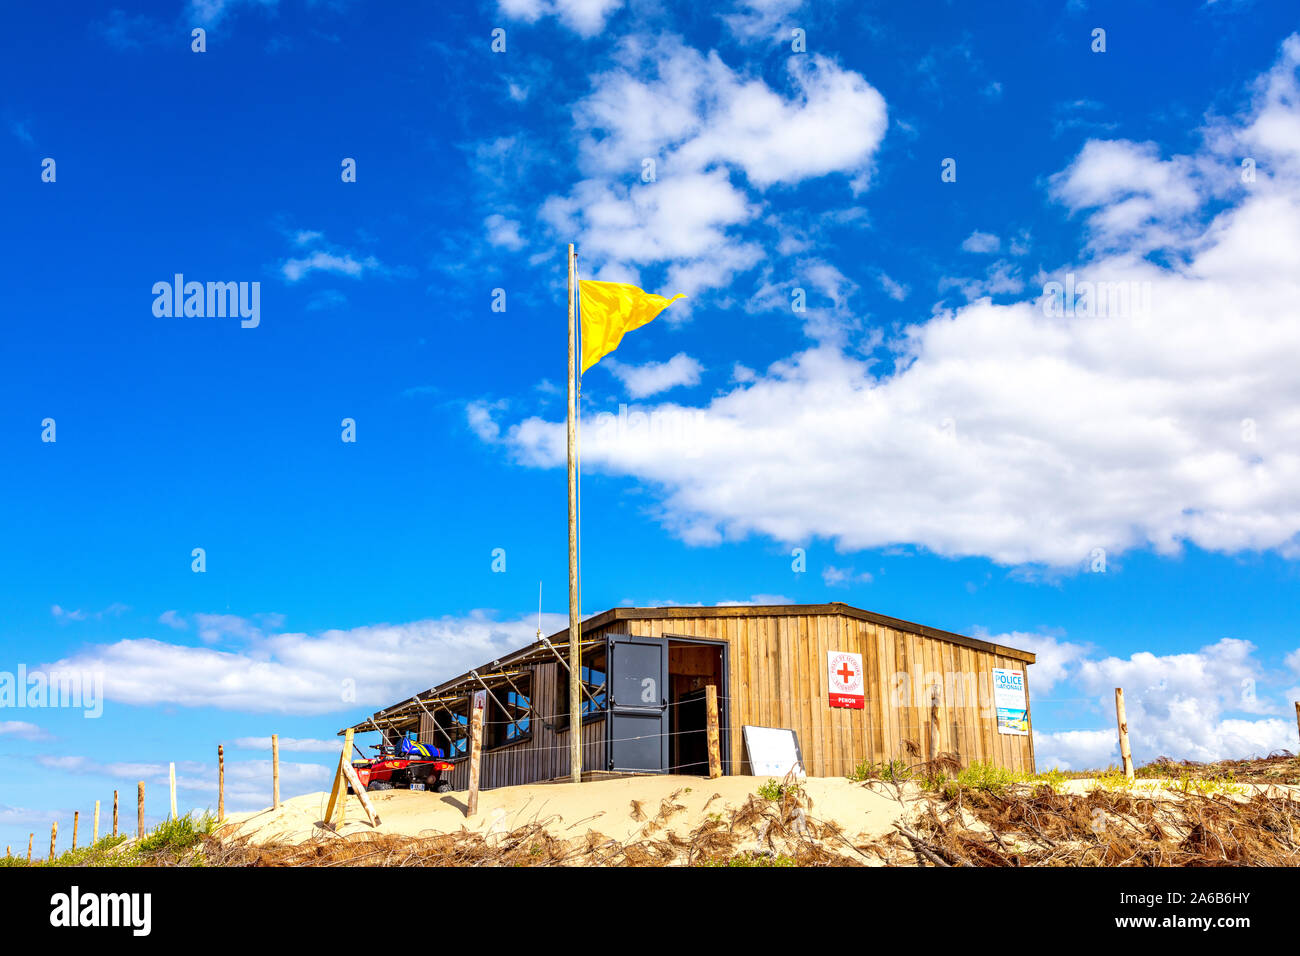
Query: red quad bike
[409,766]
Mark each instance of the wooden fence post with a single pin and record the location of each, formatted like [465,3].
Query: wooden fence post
[30,837]
[715,743]
[54,835]
[114,813]
[171,779]
[221,784]
[96,839]
[275,770]
[476,751]
[1297,715]
[139,811]
[1126,755]
[76,818]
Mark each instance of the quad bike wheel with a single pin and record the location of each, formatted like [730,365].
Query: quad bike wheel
[379,785]
[442,786]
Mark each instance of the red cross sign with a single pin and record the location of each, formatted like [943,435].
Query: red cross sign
[844,677]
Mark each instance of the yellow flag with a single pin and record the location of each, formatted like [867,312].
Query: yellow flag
[609,311]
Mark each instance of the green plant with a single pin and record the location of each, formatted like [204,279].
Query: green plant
[774,790]
[1054,778]
[895,771]
[178,835]
[750,859]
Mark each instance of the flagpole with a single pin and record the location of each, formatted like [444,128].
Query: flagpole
[575,625]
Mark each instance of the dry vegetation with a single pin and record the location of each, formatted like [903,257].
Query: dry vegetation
[1205,820]
[948,816]
[762,832]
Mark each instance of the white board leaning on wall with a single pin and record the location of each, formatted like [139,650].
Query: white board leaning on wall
[773,751]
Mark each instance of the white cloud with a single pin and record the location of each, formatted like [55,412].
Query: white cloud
[1055,662]
[300,673]
[172,620]
[503,232]
[321,261]
[248,782]
[208,13]
[981,242]
[655,377]
[585,17]
[22,730]
[717,139]
[218,627]
[1027,437]
[895,290]
[291,744]
[765,19]
[843,577]
[113,610]
[1076,749]
[1188,706]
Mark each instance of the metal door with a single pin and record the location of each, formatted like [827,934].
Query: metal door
[637,725]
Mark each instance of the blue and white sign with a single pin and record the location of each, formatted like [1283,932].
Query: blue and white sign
[1011,703]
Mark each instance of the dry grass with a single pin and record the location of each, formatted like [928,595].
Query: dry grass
[760,832]
[1041,827]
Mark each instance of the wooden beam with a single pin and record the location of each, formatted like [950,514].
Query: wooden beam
[360,791]
[76,820]
[221,783]
[715,744]
[1126,755]
[275,771]
[338,792]
[139,810]
[476,751]
[114,813]
[54,835]
[96,835]
[934,722]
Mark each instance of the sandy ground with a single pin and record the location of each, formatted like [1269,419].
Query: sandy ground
[1158,787]
[863,813]
[569,810]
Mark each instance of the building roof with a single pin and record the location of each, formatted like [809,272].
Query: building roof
[499,672]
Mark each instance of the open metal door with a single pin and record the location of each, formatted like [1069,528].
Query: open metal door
[637,727]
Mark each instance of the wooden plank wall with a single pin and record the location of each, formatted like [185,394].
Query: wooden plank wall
[778,679]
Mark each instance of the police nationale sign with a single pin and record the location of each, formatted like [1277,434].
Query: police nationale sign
[1010,701]
[844,677]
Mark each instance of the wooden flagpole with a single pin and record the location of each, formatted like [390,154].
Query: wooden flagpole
[575,625]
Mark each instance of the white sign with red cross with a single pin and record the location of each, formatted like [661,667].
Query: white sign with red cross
[844,672]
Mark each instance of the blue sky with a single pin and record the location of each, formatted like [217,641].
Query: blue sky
[1117,491]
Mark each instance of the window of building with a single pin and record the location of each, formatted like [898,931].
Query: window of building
[594,689]
[453,731]
[509,713]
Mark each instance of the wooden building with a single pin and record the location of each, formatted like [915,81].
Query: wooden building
[644,673]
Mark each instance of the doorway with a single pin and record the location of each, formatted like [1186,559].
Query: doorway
[657,721]
[693,665]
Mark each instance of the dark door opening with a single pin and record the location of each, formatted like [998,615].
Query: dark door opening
[692,666]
